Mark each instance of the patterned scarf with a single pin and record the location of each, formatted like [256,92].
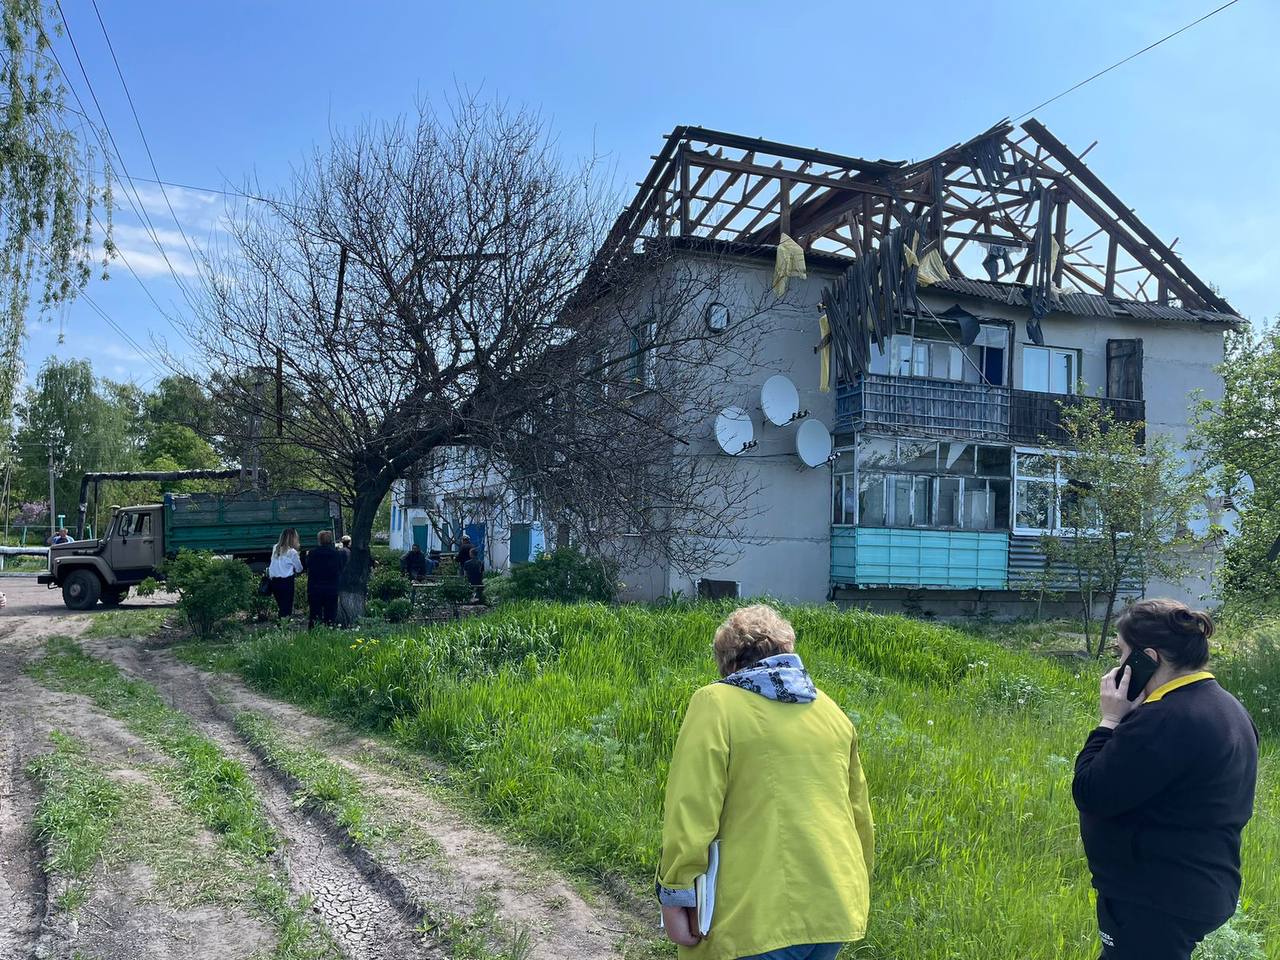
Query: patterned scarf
[781,677]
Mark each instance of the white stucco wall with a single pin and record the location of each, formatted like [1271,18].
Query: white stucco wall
[786,553]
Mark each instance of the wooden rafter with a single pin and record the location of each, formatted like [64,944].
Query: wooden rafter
[987,190]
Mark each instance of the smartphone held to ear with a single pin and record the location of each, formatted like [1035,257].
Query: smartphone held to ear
[1141,669]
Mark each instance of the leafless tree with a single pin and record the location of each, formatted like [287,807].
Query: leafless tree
[428,285]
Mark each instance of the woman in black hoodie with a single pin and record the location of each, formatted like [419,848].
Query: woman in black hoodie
[1164,786]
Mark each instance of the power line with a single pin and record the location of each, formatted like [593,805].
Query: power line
[1119,63]
[138,123]
[140,208]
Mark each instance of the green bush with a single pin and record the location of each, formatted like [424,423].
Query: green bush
[210,589]
[564,576]
[375,609]
[1234,940]
[455,589]
[398,610]
[384,558]
[388,584]
[497,589]
[300,602]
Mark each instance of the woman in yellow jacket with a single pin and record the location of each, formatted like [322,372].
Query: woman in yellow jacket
[767,765]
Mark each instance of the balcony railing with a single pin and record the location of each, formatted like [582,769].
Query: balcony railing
[924,407]
[1037,417]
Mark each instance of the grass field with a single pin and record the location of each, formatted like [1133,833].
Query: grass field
[560,721]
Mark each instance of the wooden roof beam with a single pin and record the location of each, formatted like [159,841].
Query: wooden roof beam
[1172,266]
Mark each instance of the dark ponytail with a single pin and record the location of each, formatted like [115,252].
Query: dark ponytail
[1178,632]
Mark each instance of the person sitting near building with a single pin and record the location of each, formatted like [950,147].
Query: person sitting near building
[768,765]
[324,569]
[414,563]
[283,570]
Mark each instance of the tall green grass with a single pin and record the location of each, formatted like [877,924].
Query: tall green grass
[561,720]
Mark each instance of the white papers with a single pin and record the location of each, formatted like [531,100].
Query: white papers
[705,889]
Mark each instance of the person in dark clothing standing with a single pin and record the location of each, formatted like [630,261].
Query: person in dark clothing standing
[465,552]
[414,563]
[1164,786]
[324,568]
[474,571]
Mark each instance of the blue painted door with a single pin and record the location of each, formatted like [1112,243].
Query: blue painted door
[422,536]
[476,532]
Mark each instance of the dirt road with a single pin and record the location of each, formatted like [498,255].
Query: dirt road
[418,878]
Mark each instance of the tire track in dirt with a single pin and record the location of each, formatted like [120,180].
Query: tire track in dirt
[22,881]
[477,864]
[122,917]
[367,920]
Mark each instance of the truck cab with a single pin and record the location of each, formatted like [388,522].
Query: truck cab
[104,569]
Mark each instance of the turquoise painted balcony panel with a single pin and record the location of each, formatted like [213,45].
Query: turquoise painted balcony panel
[939,559]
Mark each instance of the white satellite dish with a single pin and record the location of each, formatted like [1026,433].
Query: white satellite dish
[779,400]
[734,430]
[813,443]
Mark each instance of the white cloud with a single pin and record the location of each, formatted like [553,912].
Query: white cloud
[194,208]
[200,214]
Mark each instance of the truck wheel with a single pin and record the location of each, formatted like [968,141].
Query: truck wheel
[81,589]
[112,596]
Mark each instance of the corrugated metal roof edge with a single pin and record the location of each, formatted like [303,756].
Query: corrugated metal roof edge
[994,291]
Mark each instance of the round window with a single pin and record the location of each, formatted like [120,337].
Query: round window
[717,317]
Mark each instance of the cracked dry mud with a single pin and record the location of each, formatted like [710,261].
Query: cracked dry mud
[371,902]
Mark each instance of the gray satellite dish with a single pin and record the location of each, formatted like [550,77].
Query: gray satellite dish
[813,443]
[734,430]
[779,400]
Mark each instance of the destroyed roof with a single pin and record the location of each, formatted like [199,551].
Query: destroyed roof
[1003,191]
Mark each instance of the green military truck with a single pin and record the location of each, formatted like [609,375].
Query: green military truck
[140,539]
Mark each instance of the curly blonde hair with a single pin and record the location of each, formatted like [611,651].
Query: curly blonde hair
[750,634]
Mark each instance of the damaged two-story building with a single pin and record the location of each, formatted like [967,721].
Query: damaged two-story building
[936,315]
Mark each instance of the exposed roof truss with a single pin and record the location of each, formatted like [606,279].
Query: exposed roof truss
[998,189]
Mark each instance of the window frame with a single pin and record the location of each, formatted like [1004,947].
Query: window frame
[845,480]
[1059,480]
[1073,383]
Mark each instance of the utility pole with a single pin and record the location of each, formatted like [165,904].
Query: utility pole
[52,517]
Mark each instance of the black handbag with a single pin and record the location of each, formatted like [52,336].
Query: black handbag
[264,586]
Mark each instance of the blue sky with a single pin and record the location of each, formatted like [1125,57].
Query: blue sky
[232,89]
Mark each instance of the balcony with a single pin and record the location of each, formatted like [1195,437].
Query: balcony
[1036,417]
[924,407]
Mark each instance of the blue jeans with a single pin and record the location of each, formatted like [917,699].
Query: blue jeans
[806,951]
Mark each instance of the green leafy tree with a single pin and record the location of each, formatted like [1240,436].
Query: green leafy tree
[81,421]
[1123,514]
[181,401]
[1240,437]
[171,446]
[48,191]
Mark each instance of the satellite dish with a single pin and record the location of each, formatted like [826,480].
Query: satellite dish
[779,400]
[734,430]
[813,443]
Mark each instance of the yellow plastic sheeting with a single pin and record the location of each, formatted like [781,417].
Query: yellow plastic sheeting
[932,269]
[824,355]
[789,263]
